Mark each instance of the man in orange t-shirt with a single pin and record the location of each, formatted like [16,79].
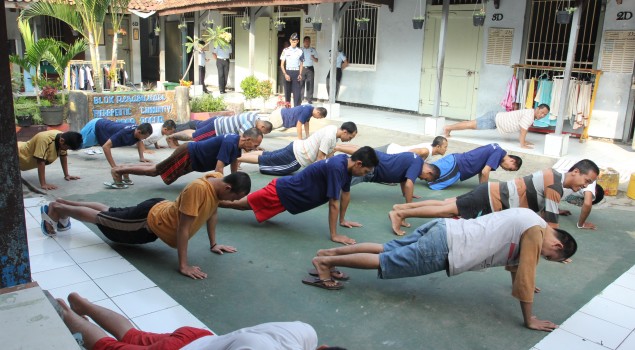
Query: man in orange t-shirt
[173,222]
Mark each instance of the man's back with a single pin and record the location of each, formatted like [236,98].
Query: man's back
[306,151]
[540,191]
[472,162]
[236,124]
[395,168]
[205,154]
[40,146]
[121,134]
[314,185]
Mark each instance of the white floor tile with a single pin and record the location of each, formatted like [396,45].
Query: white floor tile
[35,234]
[35,213]
[31,222]
[108,304]
[560,339]
[43,246]
[34,202]
[87,289]
[626,280]
[167,320]
[619,294]
[596,330]
[60,277]
[123,283]
[629,343]
[106,267]
[68,240]
[631,270]
[92,252]
[144,302]
[610,311]
[50,261]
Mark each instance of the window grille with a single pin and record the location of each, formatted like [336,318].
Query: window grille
[457,2]
[548,41]
[360,46]
[229,20]
[52,28]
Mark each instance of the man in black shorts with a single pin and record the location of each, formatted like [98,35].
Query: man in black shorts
[173,222]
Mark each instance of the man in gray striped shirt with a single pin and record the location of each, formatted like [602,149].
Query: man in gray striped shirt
[540,192]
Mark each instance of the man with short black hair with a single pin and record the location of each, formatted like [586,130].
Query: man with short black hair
[308,71]
[109,134]
[299,153]
[515,238]
[173,222]
[159,131]
[457,167]
[540,192]
[202,130]
[505,122]
[325,181]
[296,117]
[212,154]
[44,148]
[425,150]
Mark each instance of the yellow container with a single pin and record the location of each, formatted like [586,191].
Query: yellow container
[630,192]
[609,179]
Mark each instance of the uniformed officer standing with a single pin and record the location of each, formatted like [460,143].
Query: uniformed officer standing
[341,63]
[221,55]
[291,61]
[308,72]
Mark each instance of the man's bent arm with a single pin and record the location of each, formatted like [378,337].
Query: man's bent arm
[298,127]
[211,229]
[41,175]
[408,188]
[334,210]
[483,177]
[182,238]
[534,323]
[521,138]
[233,167]
[141,148]
[107,147]
[344,201]
[219,166]
[306,129]
[585,211]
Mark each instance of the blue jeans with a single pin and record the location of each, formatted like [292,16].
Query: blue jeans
[422,252]
[486,121]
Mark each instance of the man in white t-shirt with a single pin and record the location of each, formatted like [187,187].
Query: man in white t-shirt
[159,131]
[267,336]
[504,122]
[301,153]
[585,198]
[424,150]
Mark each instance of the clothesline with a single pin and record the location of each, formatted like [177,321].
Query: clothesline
[79,76]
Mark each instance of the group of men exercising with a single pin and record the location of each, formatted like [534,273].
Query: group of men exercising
[508,224]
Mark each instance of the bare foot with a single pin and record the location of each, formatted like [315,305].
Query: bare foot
[395,221]
[446,131]
[404,223]
[398,207]
[77,303]
[323,270]
[343,239]
[115,176]
[325,252]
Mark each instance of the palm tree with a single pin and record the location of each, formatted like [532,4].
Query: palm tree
[34,53]
[212,37]
[60,54]
[84,16]
[117,11]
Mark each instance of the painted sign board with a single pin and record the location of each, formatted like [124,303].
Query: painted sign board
[137,108]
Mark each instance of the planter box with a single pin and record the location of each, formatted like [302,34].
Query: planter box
[563,17]
[207,115]
[279,27]
[24,121]
[317,26]
[478,20]
[53,115]
[417,24]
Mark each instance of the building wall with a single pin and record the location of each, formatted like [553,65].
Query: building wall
[493,78]
[611,104]
[395,80]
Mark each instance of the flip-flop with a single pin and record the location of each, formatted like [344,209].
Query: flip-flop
[335,274]
[317,282]
[90,152]
[98,151]
[64,224]
[46,219]
[116,185]
[127,182]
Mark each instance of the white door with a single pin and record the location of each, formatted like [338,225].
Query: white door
[123,44]
[463,51]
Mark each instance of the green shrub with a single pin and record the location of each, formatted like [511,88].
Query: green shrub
[265,89]
[23,106]
[250,87]
[207,103]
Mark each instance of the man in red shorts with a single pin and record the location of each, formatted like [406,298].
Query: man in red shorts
[320,182]
[211,154]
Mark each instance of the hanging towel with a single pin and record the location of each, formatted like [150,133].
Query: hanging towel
[510,95]
[529,103]
[81,78]
[555,98]
[89,77]
[544,92]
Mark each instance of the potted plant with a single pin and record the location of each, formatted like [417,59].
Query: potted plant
[208,24]
[26,112]
[182,26]
[51,112]
[279,24]
[317,24]
[245,24]
[564,16]
[362,23]
[157,30]
[478,18]
[253,88]
[417,22]
[207,106]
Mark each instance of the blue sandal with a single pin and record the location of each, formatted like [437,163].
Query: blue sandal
[47,219]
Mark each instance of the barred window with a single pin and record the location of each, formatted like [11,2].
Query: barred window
[360,46]
[229,20]
[52,28]
[548,41]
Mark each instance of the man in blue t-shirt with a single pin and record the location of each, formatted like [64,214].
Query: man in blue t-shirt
[109,134]
[400,168]
[296,116]
[482,160]
[328,180]
[211,154]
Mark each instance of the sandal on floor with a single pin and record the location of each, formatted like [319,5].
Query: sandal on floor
[335,274]
[116,185]
[46,219]
[317,282]
[127,182]
[64,224]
